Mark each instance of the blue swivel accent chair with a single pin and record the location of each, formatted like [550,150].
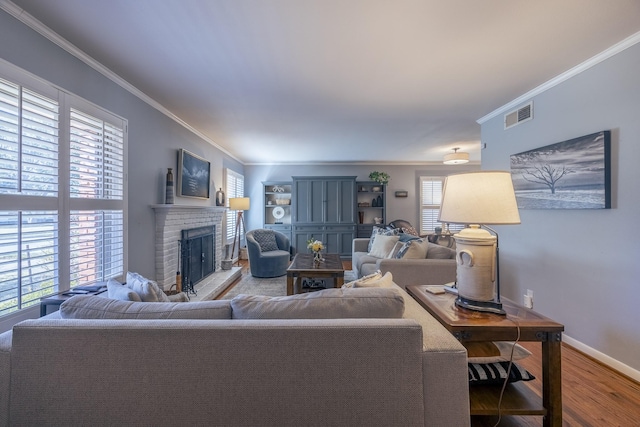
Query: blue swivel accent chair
[269,252]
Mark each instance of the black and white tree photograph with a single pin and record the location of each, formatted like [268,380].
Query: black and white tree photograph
[573,174]
[193,175]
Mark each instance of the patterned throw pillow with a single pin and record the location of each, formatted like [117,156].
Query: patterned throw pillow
[410,230]
[413,249]
[496,373]
[266,239]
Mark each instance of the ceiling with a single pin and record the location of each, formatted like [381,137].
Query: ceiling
[357,81]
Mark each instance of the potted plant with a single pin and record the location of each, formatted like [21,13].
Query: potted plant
[381,177]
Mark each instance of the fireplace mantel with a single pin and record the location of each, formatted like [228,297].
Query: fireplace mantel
[167,208]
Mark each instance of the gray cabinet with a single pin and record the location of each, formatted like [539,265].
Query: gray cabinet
[323,208]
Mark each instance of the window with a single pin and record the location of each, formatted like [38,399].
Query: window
[235,188]
[62,191]
[430,200]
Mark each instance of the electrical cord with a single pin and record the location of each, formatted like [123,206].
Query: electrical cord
[506,380]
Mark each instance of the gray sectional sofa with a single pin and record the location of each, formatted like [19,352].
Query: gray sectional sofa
[228,364]
[438,268]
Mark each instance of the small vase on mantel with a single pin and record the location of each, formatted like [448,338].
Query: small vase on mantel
[169,194]
[220,197]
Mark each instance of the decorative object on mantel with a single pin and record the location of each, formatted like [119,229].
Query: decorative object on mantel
[239,204]
[402,193]
[477,199]
[456,158]
[573,174]
[220,201]
[381,177]
[193,175]
[169,187]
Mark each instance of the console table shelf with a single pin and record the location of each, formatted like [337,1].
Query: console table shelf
[467,325]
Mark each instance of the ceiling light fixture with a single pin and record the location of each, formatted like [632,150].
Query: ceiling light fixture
[456,158]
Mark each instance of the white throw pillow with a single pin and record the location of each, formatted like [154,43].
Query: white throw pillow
[116,290]
[382,246]
[373,276]
[385,281]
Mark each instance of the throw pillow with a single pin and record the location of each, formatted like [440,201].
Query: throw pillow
[496,373]
[328,304]
[116,290]
[382,246]
[373,276]
[378,231]
[147,290]
[491,352]
[396,248]
[266,239]
[379,282]
[405,237]
[413,249]
[95,307]
[440,252]
[410,230]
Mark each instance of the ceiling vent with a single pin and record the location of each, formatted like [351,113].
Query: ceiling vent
[518,116]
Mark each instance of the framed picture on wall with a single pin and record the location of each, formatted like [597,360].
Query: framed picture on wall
[194,174]
[572,174]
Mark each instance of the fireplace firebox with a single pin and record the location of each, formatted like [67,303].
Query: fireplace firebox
[198,256]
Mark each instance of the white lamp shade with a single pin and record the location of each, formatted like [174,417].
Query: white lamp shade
[484,197]
[239,203]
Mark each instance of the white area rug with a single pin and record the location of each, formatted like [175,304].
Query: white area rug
[273,287]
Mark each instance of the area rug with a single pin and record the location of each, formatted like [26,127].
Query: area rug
[273,287]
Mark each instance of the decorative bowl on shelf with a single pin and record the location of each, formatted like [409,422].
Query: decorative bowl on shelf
[283,201]
[376,189]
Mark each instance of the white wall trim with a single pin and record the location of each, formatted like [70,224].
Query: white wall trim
[595,60]
[24,17]
[603,358]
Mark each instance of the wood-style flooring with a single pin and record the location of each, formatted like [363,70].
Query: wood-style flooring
[593,395]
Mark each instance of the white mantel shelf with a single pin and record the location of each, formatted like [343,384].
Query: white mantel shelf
[178,207]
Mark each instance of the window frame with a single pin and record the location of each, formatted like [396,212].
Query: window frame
[63,204]
[433,206]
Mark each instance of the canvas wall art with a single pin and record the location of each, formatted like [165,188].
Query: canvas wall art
[573,174]
[193,175]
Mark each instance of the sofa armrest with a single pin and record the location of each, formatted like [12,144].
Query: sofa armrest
[444,369]
[360,245]
[408,272]
[5,376]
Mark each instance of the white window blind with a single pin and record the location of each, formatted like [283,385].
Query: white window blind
[430,201]
[235,188]
[62,191]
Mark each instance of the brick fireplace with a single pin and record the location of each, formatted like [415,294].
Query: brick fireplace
[171,220]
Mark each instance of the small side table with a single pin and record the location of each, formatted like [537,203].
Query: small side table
[56,300]
[468,325]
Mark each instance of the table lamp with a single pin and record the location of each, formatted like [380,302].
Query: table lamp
[239,204]
[478,199]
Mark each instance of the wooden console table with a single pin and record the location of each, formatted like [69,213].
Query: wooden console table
[468,325]
[303,266]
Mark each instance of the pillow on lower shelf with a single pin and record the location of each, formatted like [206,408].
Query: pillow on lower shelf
[495,373]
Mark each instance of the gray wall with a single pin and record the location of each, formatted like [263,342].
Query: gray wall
[403,177]
[581,264]
[154,139]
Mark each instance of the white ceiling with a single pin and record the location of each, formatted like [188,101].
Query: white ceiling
[287,81]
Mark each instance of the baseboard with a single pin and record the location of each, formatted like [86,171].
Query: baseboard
[609,361]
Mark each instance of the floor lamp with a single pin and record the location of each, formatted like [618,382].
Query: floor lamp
[478,199]
[239,204]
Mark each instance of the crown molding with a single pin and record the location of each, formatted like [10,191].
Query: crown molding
[591,62]
[36,25]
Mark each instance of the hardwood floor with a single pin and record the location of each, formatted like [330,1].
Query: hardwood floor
[593,395]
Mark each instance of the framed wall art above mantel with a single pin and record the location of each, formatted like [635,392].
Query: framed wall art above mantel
[194,175]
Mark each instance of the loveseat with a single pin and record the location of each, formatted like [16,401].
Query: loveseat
[437,267]
[230,364]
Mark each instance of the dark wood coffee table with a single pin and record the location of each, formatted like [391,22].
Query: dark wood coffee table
[303,266]
[468,325]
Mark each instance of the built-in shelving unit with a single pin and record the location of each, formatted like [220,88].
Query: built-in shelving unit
[277,206]
[371,206]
